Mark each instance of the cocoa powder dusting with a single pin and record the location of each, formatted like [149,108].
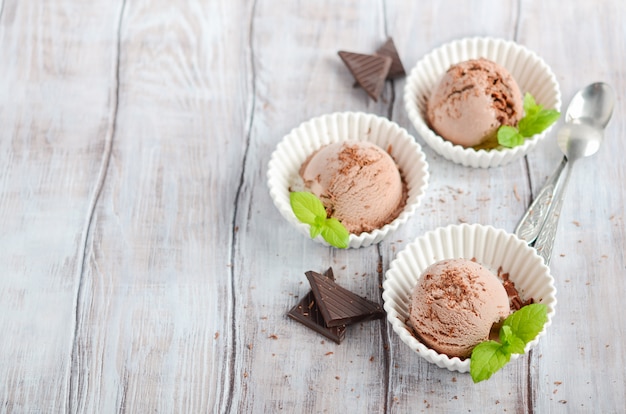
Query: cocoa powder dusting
[351,157]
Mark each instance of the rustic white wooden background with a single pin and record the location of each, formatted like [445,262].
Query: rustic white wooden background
[145,269]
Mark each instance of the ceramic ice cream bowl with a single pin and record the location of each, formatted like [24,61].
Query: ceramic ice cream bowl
[491,247]
[310,136]
[530,72]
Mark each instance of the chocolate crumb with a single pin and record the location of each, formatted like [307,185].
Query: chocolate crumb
[516,302]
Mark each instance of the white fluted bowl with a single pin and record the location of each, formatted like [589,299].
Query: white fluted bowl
[491,247]
[529,70]
[311,135]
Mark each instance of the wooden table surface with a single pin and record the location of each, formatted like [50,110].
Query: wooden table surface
[145,268]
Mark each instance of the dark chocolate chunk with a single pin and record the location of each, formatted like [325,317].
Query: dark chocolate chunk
[369,71]
[307,313]
[338,305]
[389,49]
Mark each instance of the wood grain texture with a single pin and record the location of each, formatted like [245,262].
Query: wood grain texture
[582,360]
[146,268]
[154,328]
[55,118]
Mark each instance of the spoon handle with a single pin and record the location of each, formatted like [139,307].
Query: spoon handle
[545,240]
[533,220]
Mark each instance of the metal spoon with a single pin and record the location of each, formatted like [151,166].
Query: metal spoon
[587,115]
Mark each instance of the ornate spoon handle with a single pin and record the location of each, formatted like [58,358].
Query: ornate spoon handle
[533,220]
[545,241]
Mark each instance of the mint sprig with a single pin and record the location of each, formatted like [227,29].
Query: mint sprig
[310,210]
[518,329]
[535,120]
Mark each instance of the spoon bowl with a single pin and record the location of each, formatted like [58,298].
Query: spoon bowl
[587,115]
[592,105]
[579,140]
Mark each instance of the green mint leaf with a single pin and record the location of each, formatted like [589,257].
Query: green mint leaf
[538,123]
[487,358]
[335,233]
[315,230]
[306,207]
[310,210]
[518,329]
[506,335]
[535,120]
[509,137]
[530,106]
[527,322]
[511,344]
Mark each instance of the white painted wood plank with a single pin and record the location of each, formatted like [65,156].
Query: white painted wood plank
[55,115]
[299,75]
[580,366]
[155,316]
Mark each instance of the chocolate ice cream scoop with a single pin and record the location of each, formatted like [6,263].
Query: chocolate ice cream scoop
[455,305]
[472,100]
[358,183]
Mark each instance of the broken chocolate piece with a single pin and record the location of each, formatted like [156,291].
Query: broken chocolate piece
[389,49]
[307,313]
[370,71]
[338,305]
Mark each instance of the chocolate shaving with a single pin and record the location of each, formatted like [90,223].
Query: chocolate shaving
[515,299]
